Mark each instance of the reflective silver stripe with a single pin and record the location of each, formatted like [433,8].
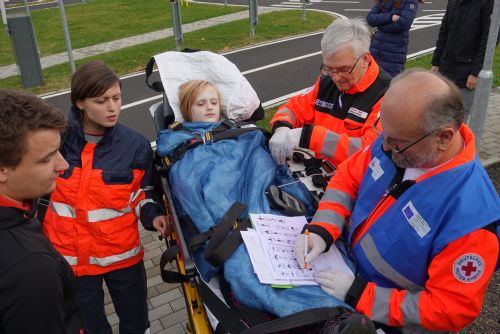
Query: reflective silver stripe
[108,260]
[289,113]
[409,308]
[139,206]
[330,144]
[330,217]
[339,197]
[380,307]
[105,214]
[63,210]
[384,268]
[135,194]
[354,145]
[72,260]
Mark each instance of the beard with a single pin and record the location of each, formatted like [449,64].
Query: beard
[421,159]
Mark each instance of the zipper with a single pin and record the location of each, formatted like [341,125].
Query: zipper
[361,230]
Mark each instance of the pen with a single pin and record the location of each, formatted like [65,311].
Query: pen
[306,247]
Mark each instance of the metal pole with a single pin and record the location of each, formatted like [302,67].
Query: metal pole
[66,36]
[176,23]
[303,9]
[252,8]
[485,79]
[4,18]
[27,7]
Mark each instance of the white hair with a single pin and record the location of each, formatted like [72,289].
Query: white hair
[346,32]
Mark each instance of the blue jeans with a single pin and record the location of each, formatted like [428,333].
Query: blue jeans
[128,291]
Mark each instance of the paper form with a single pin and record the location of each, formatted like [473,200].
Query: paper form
[271,249]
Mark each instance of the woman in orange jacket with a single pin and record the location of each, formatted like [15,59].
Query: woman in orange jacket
[93,215]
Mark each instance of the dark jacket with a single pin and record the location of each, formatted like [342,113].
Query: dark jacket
[37,286]
[390,42]
[462,39]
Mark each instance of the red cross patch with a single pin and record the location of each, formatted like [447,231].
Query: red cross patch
[468,268]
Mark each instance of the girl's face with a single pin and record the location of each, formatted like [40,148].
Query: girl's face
[101,112]
[206,107]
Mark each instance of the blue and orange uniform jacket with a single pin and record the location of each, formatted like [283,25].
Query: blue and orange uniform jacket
[94,211]
[425,249]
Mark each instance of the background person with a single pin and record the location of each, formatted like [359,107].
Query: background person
[37,286]
[461,44]
[393,20]
[334,118]
[423,215]
[93,216]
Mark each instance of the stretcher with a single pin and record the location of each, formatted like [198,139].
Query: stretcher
[210,305]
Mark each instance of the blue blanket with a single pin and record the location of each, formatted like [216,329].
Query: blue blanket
[208,180]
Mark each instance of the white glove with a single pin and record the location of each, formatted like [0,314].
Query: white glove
[334,283]
[283,142]
[315,247]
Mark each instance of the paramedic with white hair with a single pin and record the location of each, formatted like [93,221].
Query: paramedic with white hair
[334,118]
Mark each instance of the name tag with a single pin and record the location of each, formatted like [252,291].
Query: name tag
[377,170]
[416,220]
[360,113]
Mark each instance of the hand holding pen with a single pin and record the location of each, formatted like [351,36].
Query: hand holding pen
[308,246]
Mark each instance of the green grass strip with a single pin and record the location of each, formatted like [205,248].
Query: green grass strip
[219,38]
[100,21]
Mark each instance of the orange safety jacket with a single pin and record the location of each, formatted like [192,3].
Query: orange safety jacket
[459,263]
[93,213]
[336,124]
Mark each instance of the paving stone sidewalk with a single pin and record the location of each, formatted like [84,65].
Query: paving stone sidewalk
[61,58]
[167,310]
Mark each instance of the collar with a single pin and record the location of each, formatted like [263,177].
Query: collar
[370,76]
[10,203]
[468,153]
[76,126]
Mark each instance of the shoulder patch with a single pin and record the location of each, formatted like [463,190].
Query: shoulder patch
[468,268]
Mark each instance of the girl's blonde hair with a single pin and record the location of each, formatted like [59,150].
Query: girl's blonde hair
[189,91]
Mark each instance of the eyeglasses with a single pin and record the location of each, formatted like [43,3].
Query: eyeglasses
[394,149]
[330,71]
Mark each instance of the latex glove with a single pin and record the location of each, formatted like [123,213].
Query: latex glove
[315,246]
[283,142]
[334,283]
[277,144]
[162,225]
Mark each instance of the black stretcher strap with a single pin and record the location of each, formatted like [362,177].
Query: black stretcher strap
[296,320]
[230,320]
[170,276]
[226,236]
[226,130]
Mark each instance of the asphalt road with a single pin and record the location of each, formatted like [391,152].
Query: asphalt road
[275,70]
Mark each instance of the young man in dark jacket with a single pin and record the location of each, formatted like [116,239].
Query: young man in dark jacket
[37,288]
[461,44]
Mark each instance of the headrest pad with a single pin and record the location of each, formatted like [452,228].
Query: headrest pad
[239,99]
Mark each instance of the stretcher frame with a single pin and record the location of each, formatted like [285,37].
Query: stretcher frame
[198,318]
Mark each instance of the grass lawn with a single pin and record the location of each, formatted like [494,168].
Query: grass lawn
[101,21]
[218,39]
